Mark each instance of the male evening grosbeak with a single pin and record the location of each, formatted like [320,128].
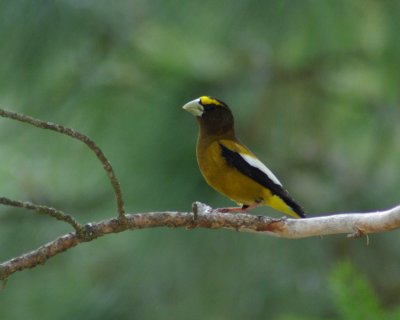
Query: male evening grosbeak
[232,169]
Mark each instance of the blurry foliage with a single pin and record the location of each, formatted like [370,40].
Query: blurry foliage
[353,296]
[314,86]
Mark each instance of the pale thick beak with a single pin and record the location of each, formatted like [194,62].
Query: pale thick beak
[194,107]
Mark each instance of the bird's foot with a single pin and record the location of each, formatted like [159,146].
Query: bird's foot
[229,210]
[242,209]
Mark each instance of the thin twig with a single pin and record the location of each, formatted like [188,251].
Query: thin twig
[365,223]
[52,212]
[83,138]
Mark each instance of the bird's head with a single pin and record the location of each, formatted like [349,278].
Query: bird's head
[214,116]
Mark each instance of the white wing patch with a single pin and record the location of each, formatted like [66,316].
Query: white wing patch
[254,162]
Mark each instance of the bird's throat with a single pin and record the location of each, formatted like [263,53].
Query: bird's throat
[214,130]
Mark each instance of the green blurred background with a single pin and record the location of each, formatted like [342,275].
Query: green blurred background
[314,86]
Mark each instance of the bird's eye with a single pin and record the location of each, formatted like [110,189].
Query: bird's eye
[209,107]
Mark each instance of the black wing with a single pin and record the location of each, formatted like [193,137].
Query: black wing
[234,159]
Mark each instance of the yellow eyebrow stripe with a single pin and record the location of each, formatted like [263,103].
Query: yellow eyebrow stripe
[204,100]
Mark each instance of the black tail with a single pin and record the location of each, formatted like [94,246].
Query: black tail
[292,204]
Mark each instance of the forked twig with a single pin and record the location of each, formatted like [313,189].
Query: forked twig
[83,138]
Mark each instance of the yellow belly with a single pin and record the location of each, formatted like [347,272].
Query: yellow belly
[228,180]
[235,185]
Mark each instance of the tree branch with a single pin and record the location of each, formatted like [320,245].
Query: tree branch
[203,216]
[83,138]
[354,224]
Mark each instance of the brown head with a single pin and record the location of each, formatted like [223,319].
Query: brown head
[214,116]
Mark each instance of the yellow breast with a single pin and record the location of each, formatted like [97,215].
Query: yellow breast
[228,180]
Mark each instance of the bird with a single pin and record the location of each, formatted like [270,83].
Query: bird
[230,167]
